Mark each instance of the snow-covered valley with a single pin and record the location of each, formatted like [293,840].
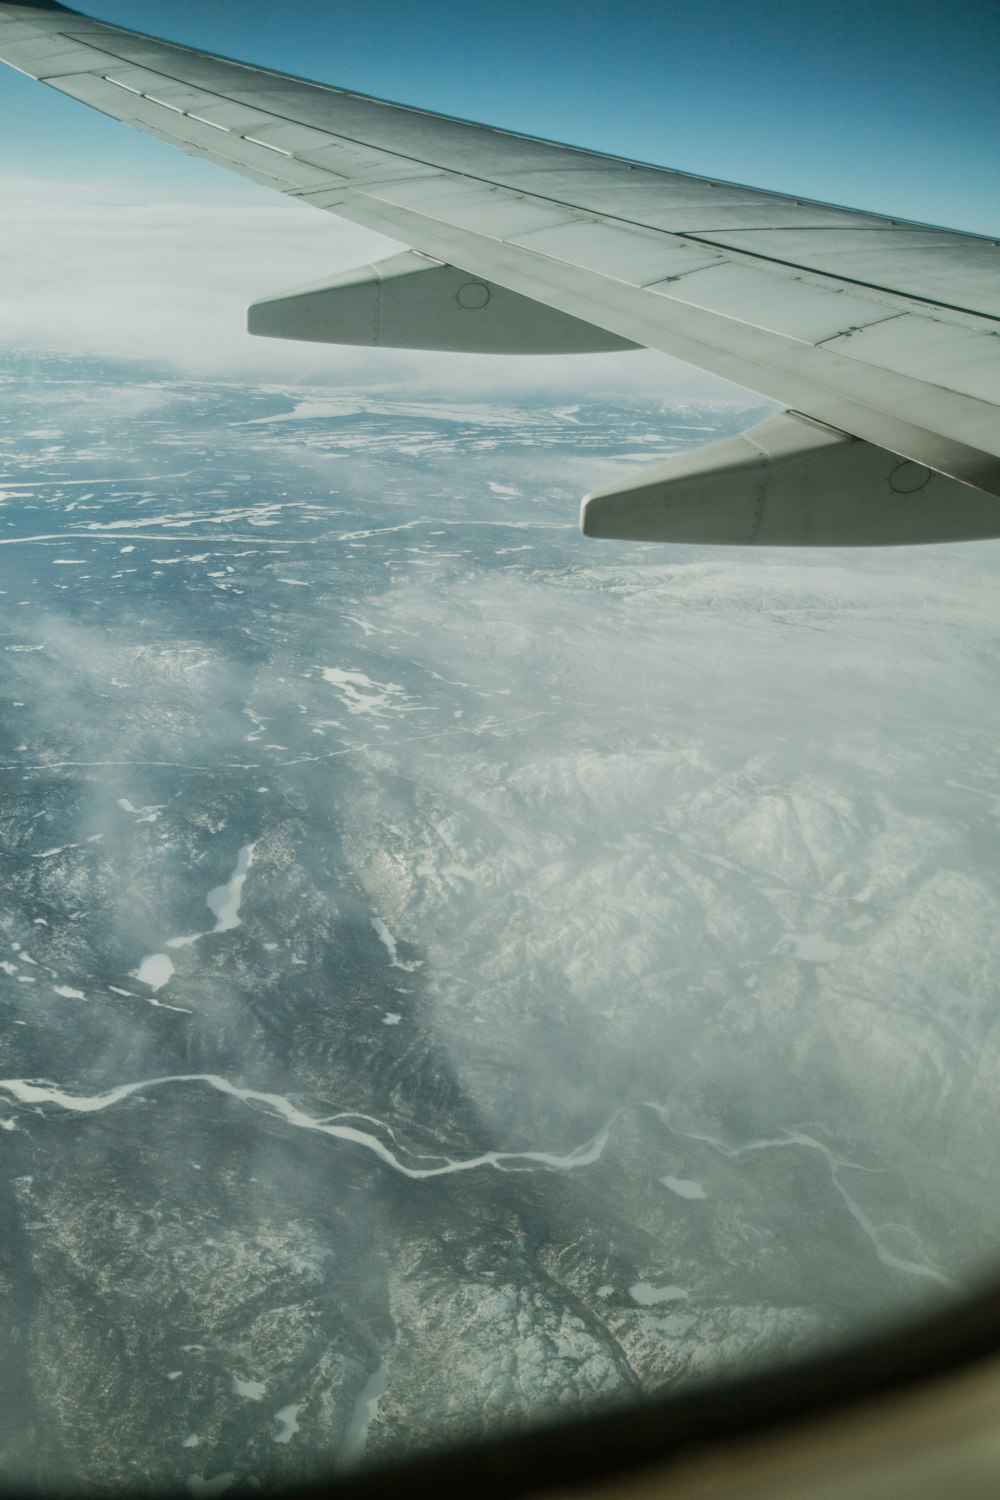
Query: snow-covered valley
[454,973]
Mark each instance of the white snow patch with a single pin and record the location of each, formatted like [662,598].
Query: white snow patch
[389,943]
[143,814]
[648,1295]
[684,1187]
[810,947]
[287,1423]
[360,695]
[363,624]
[224,901]
[253,1390]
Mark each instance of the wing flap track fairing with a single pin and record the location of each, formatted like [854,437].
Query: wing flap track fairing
[412,302]
[791,482]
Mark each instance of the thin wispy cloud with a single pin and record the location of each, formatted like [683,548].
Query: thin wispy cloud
[93,269]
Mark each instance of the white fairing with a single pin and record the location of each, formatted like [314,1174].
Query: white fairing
[791,482]
[882,330]
[410,302]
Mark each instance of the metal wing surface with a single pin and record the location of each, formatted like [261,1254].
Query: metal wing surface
[880,335]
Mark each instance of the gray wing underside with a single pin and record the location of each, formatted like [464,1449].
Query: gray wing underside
[884,333]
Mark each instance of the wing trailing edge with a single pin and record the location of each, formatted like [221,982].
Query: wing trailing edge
[885,333]
[791,482]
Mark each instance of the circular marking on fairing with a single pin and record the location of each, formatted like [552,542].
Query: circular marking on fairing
[473,294]
[907,478]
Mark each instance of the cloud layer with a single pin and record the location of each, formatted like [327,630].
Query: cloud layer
[94,269]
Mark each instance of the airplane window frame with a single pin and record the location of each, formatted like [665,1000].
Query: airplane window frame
[611,1446]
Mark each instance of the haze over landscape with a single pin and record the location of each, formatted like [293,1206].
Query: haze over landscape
[456,974]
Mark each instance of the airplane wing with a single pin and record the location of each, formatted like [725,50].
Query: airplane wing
[882,337]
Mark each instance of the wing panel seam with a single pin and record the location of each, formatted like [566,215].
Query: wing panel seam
[694,237]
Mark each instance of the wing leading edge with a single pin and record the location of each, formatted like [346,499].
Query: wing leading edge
[883,333]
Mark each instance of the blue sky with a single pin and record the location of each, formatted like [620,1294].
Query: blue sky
[113,244]
[894,107]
